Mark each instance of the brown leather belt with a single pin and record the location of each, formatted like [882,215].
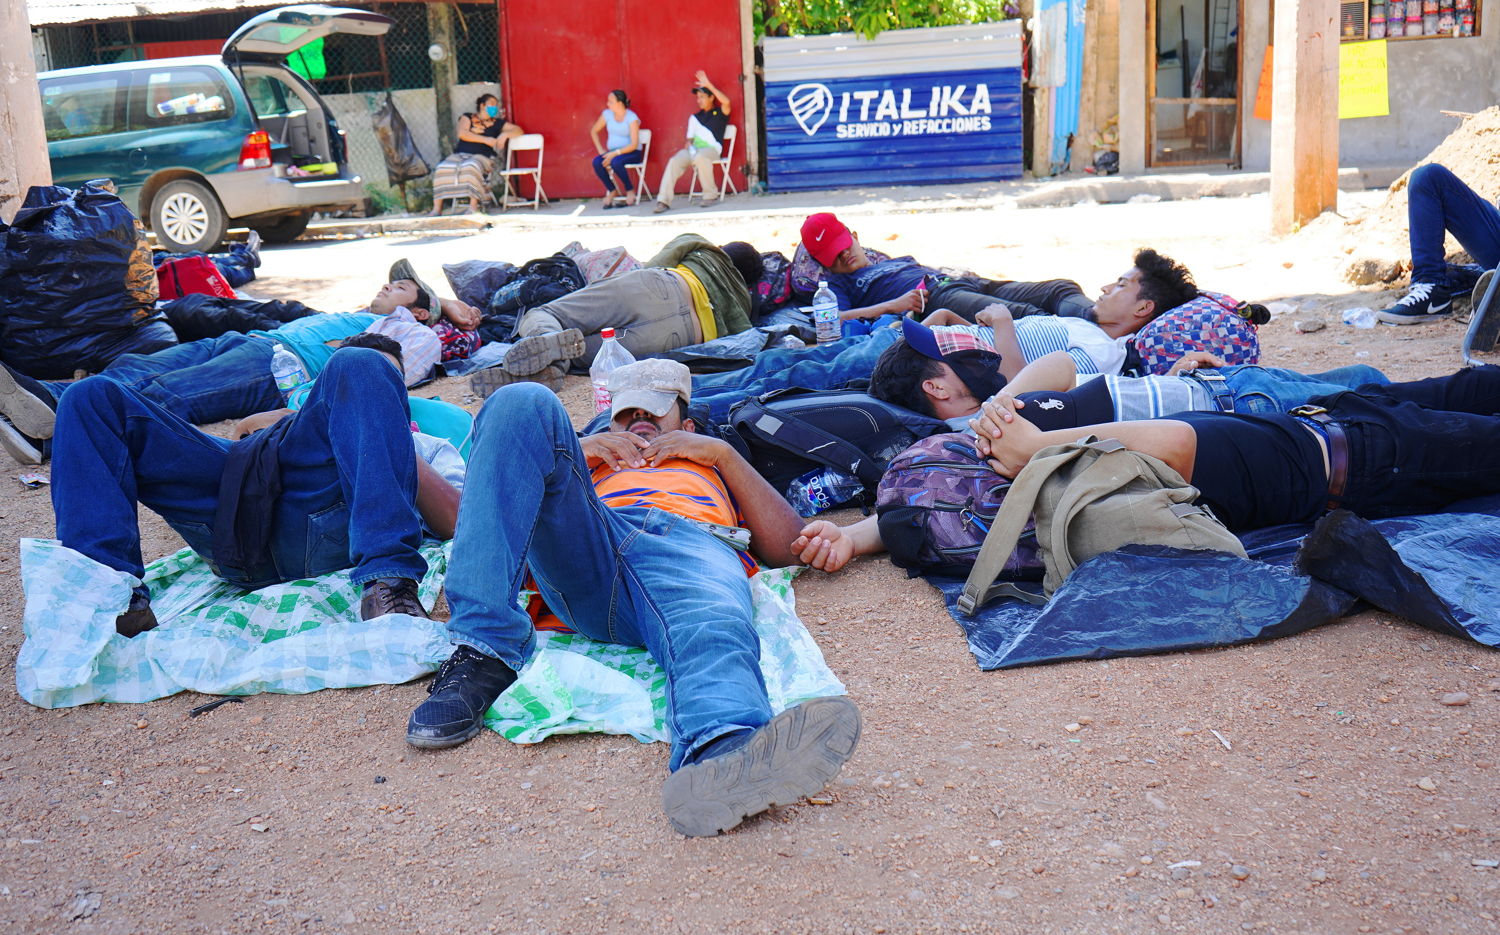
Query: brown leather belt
[1338,449]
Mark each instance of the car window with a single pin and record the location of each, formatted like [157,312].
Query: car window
[271,97]
[176,96]
[85,105]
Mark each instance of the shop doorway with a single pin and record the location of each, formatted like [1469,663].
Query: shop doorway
[1194,81]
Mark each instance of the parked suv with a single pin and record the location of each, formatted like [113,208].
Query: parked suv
[199,143]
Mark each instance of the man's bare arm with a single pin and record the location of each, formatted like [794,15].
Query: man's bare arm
[998,317]
[1012,442]
[829,547]
[437,501]
[1056,372]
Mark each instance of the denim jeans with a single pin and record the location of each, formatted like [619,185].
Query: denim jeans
[1436,200]
[1260,390]
[227,377]
[820,367]
[1417,447]
[348,469]
[643,577]
[617,164]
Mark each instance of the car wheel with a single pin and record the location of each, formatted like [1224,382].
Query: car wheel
[186,216]
[284,229]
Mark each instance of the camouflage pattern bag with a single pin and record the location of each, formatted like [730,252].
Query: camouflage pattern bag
[937,501]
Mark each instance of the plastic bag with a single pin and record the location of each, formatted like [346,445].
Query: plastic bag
[402,161]
[474,281]
[77,287]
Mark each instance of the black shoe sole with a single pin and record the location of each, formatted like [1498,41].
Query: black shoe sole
[443,743]
[794,755]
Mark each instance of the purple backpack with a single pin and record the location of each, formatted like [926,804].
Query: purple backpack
[937,501]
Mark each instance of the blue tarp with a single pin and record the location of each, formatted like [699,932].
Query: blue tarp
[1437,571]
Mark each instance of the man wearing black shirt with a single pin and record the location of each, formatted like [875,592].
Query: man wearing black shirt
[705,143]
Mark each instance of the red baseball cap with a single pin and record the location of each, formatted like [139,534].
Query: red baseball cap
[825,237]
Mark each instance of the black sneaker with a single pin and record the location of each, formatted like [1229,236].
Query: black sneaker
[794,754]
[1423,302]
[462,690]
[138,617]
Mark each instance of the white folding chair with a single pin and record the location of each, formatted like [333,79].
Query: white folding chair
[526,142]
[642,190]
[726,184]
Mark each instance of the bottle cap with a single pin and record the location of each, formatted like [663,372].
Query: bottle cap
[606,333]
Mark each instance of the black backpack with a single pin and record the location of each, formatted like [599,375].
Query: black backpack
[792,431]
[536,283]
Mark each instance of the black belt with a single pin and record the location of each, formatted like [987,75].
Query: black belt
[1338,449]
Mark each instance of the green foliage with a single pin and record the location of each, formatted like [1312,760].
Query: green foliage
[868,18]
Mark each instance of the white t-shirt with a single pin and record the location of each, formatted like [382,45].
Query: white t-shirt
[1092,350]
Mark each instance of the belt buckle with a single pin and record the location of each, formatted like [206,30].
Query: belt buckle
[1307,409]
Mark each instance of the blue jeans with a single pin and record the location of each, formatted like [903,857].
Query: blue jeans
[1260,390]
[820,367]
[227,377]
[617,164]
[348,470]
[1436,200]
[639,576]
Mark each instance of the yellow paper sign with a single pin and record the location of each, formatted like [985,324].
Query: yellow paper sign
[1363,87]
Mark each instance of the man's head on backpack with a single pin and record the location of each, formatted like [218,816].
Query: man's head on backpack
[942,374]
[1152,286]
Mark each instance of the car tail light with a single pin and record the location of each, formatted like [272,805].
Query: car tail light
[256,152]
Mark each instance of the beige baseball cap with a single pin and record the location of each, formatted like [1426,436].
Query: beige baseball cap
[652,385]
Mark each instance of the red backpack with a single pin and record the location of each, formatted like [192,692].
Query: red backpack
[192,274]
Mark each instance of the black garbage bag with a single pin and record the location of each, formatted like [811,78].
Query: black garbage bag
[77,288]
[475,281]
[402,161]
[536,283]
[195,316]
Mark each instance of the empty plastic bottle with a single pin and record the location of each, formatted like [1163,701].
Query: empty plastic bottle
[822,489]
[611,357]
[286,370]
[826,315]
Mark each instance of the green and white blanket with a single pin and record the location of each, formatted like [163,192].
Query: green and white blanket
[304,636]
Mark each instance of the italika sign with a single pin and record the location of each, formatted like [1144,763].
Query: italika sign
[938,110]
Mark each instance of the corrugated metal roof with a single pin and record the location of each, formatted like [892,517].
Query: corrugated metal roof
[65,12]
[904,51]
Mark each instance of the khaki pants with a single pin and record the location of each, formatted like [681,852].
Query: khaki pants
[650,309]
[702,160]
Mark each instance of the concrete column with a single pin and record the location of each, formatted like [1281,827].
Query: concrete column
[23,138]
[1304,112]
[444,73]
[1134,59]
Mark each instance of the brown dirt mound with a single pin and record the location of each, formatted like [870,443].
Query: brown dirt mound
[1473,153]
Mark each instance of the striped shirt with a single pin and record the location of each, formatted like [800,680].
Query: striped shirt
[677,485]
[1092,350]
[1154,397]
[420,346]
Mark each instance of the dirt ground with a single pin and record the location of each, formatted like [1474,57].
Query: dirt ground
[1312,784]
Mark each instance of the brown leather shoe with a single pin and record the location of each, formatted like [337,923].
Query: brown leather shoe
[390,596]
[138,617]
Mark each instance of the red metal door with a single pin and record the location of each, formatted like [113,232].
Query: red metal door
[559,60]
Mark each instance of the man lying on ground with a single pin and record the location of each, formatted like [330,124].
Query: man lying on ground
[335,485]
[637,535]
[902,286]
[1382,450]
[1154,285]
[1437,203]
[229,377]
[690,292]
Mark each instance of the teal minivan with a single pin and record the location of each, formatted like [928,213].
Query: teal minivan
[200,143]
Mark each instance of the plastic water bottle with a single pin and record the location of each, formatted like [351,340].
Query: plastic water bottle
[1359,317]
[822,489]
[826,314]
[611,357]
[286,370]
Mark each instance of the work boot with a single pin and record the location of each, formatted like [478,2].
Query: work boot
[458,696]
[484,382]
[1424,301]
[138,617]
[390,596]
[794,754]
[535,353]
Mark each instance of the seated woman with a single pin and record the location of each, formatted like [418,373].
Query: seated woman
[466,173]
[621,148]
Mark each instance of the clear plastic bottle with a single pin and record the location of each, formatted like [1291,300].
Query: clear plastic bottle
[611,357]
[826,314]
[286,370]
[822,489]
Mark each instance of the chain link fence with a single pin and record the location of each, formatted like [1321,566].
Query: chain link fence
[353,74]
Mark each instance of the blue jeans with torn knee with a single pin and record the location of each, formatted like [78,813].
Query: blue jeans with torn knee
[348,469]
[638,576]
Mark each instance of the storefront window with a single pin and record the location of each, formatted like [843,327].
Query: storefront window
[1408,19]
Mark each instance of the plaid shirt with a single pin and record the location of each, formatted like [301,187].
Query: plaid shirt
[457,345]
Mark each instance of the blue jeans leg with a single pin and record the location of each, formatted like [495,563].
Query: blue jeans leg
[636,576]
[112,449]
[227,377]
[349,476]
[1437,201]
[1262,390]
[823,366]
